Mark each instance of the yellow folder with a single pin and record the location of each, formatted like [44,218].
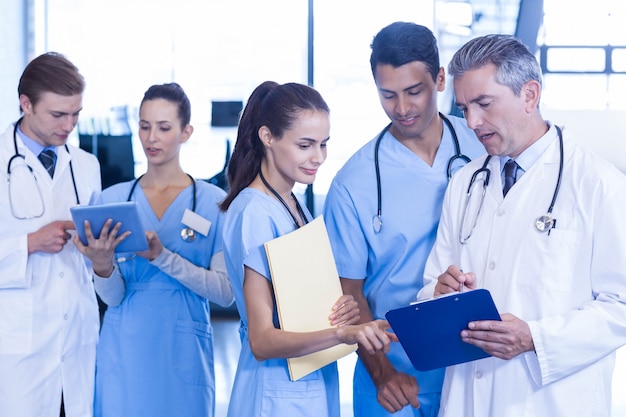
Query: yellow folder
[306,285]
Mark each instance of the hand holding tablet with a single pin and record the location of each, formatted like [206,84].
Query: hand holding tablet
[126,213]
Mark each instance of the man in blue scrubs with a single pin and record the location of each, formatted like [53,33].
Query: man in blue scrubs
[380,258]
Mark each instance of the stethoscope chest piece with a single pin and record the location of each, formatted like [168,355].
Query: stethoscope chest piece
[377,223]
[544,223]
[188,234]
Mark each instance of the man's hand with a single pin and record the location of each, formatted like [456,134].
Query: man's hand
[454,279]
[396,390]
[51,238]
[503,339]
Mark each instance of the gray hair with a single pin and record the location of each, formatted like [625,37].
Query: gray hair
[515,64]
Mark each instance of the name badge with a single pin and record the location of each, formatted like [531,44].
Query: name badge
[196,222]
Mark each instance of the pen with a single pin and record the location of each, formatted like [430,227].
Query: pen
[461,286]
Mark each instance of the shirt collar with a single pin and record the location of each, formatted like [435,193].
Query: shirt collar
[531,154]
[34,146]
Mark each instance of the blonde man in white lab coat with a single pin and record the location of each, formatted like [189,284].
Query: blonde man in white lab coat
[559,281]
[48,311]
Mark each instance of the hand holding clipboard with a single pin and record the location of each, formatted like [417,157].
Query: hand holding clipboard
[429,331]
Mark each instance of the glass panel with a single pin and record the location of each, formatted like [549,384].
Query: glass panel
[616,91]
[343,74]
[618,60]
[599,26]
[566,23]
[576,59]
[574,92]
[214,50]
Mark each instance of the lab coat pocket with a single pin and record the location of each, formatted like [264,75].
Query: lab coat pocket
[16,322]
[552,259]
[193,352]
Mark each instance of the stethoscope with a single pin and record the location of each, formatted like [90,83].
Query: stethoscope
[282,201]
[187,234]
[377,221]
[543,223]
[16,155]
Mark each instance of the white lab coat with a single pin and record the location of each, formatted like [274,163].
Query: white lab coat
[48,310]
[569,286]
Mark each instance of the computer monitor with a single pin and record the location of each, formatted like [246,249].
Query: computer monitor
[115,154]
[225,113]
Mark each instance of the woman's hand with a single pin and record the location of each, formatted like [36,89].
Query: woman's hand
[345,311]
[101,250]
[372,336]
[155,247]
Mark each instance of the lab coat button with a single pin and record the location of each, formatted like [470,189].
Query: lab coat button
[479,374]
[61,275]
[500,212]
[492,265]
[64,316]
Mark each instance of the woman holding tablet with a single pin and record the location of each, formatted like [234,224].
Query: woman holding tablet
[155,355]
[281,140]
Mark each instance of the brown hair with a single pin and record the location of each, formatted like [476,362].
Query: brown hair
[275,106]
[50,72]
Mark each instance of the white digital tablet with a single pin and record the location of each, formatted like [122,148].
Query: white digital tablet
[126,213]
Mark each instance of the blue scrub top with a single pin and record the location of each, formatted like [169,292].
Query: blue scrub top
[155,355]
[263,388]
[392,262]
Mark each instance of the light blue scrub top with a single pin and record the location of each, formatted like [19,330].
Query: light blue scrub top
[263,388]
[155,355]
[391,262]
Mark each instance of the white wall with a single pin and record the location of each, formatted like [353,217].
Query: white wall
[604,132]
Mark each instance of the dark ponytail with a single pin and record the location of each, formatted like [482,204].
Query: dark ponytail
[276,107]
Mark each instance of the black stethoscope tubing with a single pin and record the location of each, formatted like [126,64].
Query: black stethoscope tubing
[560,176]
[187,233]
[544,222]
[282,201]
[19,155]
[377,221]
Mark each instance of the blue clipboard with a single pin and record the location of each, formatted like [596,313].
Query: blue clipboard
[430,331]
[125,212]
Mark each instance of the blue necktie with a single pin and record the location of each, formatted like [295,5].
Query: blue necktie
[510,175]
[48,158]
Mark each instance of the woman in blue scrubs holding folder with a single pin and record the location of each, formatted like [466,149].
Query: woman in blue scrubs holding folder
[155,355]
[281,140]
